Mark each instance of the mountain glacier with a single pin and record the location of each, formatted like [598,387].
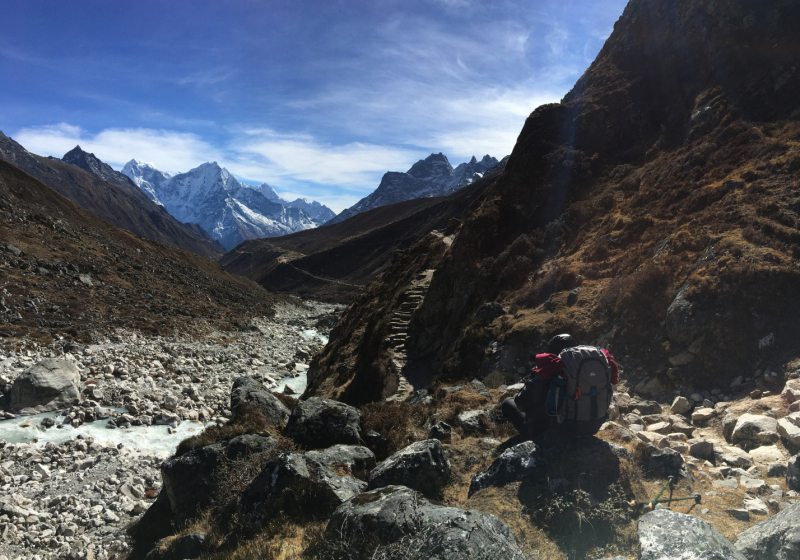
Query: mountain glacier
[429,177]
[319,212]
[229,211]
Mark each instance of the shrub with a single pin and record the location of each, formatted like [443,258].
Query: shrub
[248,420]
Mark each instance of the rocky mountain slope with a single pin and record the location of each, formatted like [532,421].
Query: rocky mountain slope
[65,272]
[319,212]
[334,262]
[229,211]
[92,164]
[429,177]
[117,203]
[654,211]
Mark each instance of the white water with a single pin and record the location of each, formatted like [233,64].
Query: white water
[299,383]
[28,429]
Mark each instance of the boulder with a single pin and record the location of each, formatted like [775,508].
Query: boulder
[665,463]
[702,415]
[755,505]
[793,473]
[441,431]
[701,449]
[775,538]
[295,485]
[755,427]
[190,479]
[645,407]
[667,535]
[319,423]
[354,460]
[475,421]
[422,466]
[791,392]
[681,405]
[405,525]
[521,462]
[51,384]
[247,389]
[789,432]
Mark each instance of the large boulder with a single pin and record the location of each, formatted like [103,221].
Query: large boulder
[422,466]
[775,538]
[665,463]
[519,463]
[190,479]
[405,525]
[789,432]
[667,535]
[295,485]
[247,389]
[318,423]
[355,460]
[755,427]
[49,385]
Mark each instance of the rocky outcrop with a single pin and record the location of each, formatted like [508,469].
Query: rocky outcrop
[793,473]
[422,466]
[406,525]
[191,479]
[318,423]
[755,428]
[247,389]
[668,535]
[776,538]
[49,385]
[295,485]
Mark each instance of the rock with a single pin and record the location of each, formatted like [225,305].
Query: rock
[789,432]
[441,431]
[755,427]
[190,479]
[755,505]
[728,424]
[645,407]
[660,428]
[775,538]
[422,466]
[49,385]
[680,425]
[793,473]
[474,421]
[378,444]
[776,470]
[791,392]
[521,462]
[247,389]
[701,449]
[354,460]
[702,415]
[318,423]
[667,535]
[405,525]
[665,463]
[734,457]
[737,382]
[680,405]
[696,398]
[755,394]
[740,514]
[650,387]
[754,485]
[295,485]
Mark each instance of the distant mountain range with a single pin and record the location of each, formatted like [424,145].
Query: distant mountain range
[95,186]
[228,210]
[429,177]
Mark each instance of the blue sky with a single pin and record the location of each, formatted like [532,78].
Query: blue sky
[318,99]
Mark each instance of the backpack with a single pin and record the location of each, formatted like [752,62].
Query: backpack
[581,392]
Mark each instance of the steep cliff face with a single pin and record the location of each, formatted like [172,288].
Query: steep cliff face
[654,210]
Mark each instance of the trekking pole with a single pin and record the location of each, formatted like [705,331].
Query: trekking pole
[668,483]
[696,499]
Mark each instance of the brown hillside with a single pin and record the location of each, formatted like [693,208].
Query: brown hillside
[654,210]
[67,272]
[126,207]
[334,263]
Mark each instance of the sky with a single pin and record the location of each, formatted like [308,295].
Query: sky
[317,98]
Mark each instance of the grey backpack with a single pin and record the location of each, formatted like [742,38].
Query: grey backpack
[585,384]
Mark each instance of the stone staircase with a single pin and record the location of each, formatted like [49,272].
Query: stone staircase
[412,299]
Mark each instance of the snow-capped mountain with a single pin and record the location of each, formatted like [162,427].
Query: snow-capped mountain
[210,196]
[147,177]
[429,177]
[319,212]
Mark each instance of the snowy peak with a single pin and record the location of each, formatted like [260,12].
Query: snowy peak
[146,177]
